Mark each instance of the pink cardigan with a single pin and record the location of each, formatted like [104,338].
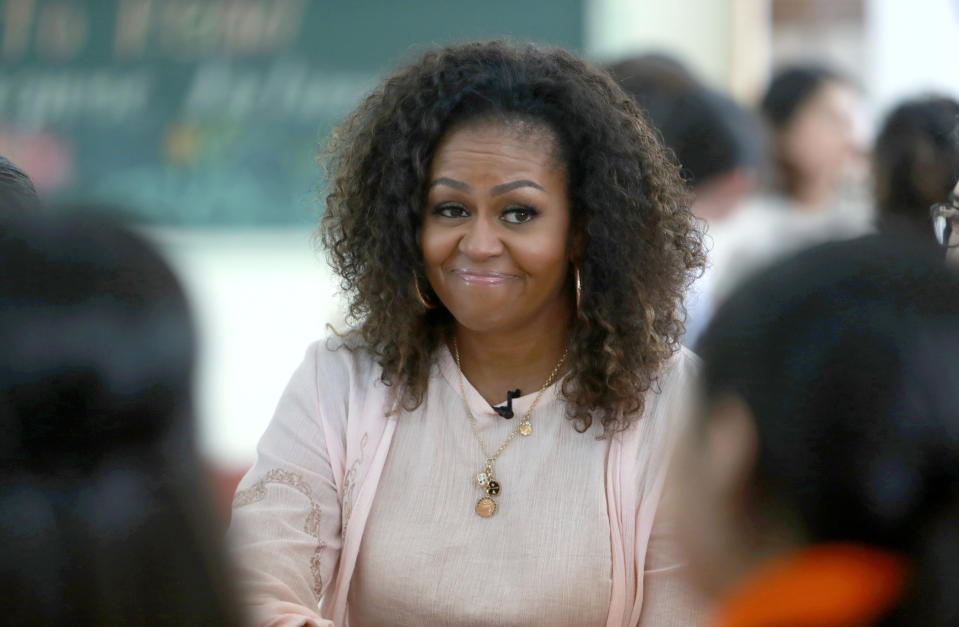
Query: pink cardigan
[337,394]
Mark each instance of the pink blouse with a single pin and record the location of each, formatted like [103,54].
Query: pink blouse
[300,513]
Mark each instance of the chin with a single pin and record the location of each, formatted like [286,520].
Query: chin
[482,320]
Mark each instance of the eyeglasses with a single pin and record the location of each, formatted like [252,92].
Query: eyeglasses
[945,222]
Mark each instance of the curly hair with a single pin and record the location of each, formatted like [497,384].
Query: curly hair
[640,246]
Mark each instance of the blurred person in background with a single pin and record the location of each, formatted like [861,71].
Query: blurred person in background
[103,520]
[17,193]
[815,189]
[820,479]
[507,228]
[915,164]
[811,112]
[716,142]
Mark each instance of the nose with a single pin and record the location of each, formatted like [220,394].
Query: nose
[481,239]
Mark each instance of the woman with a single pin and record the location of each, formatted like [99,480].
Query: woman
[915,164]
[821,482]
[102,517]
[811,112]
[814,191]
[508,229]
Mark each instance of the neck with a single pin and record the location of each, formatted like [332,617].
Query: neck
[496,362]
[816,195]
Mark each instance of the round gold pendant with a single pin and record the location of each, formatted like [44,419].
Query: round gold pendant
[525,428]
[486,507]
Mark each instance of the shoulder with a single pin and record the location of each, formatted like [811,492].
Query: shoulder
[341,362]
[671,397]
[336,373]
[680,372]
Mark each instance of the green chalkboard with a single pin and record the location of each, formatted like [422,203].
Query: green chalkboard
[212,112]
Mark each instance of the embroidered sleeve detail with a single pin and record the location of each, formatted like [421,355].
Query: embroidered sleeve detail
[312,524]
[349,483]
[251,495]
[257,492]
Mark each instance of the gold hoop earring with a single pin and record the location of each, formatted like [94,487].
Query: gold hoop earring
[579,286]
[419,294]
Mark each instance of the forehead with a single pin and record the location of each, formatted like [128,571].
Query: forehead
[509,142]
[831,96]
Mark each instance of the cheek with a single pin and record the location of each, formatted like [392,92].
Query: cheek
[546,257]
[546,252]
[825,139]
[436,245]
[803,142]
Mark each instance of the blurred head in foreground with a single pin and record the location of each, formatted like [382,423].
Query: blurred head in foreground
[101,516]
[915,164]
[714,139]
[811,112]
[827,448]
[17,193]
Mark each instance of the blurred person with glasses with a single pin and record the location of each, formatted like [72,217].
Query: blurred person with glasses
[945,223]
[915,163]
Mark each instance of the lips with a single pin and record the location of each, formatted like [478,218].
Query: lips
[483,277]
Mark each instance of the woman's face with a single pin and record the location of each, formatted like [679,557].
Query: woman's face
[821,139]
[496,225]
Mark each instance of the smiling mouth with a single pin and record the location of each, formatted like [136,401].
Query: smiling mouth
[483,277]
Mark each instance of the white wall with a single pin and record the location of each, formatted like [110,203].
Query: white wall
[259,299]
[698,32]
[913,48]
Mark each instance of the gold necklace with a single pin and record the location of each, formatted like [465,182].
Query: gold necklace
[486,479]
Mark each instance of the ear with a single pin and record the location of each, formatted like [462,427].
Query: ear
[731,446]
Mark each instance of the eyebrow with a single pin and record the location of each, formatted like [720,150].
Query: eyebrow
[450,183]
[496,190]
[502,188]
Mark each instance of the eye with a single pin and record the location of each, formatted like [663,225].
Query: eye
[519,215]
[451,210]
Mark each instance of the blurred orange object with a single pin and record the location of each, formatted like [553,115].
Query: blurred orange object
[833,585]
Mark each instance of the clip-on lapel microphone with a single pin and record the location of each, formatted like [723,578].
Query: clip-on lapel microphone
[507,411]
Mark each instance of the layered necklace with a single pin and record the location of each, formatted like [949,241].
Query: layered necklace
[486,479]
